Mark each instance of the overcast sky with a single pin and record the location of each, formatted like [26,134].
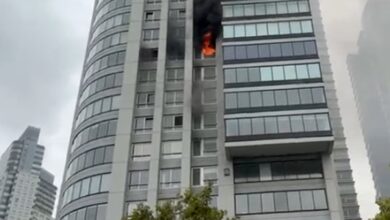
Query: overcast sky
[42,46]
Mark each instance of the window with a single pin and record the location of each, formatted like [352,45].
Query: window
[177,13]
[151,34]
[278,170]
[107,42]
[267,29]
[273,51]
[96,131]
[145,99]
[143,124]
[141,151]
[289,124]
[170,178]
[107,61]
[96,212]
[241,204]
[85,187]
[204,147]
[205,121]
[172,149]
[266,9]
[274,73]
[111,22]
[172,121]
[108,82]
[100,106]
[174,98]
[175,74]
[153,2]
[152,16]
[202,176]
[204,73]
[148,54]
[146,76]
[276,202]
[244,101]
[139,180]
[90,158]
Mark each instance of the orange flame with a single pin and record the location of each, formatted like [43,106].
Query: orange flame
[208,49]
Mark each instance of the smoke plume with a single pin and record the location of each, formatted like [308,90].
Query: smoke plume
[207,18]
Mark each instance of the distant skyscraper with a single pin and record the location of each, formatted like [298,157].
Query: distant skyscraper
[370,73]
[26,189]
[165,104]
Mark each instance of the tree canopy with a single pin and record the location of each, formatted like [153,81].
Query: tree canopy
[190,206]
[384,208]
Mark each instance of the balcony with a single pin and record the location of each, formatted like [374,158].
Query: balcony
[276,135]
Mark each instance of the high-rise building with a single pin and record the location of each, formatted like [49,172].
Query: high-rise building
[166,104]
[369,71]
[26,189]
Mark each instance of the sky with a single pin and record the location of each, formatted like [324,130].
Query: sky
[42,49]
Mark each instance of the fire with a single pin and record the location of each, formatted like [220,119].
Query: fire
[208,49]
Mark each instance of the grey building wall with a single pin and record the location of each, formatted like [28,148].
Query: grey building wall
[370,79]
[167,129]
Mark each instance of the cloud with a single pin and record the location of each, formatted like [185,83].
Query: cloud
[42,47]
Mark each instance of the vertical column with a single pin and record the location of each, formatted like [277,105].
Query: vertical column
[116,208]
[225,179]
[332,189]
[187,108]
[154,169]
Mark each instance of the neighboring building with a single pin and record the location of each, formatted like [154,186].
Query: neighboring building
[26,189]
[370,73]
[260,119]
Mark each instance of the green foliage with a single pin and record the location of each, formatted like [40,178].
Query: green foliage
[384,208]
[191,206]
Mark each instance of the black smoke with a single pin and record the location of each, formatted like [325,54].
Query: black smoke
[207,18]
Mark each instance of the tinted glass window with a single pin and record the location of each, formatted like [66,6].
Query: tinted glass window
[270,126]
[230,101]
[268,98]
[299,49]
[265,172]
[228,53]
[287,49]
[307,200]
[258,126]
[264,51]
[245,126]
[252,51]
[319,199]
[275,50]
[296,124]
[256,99]
[231,128]
[242,75]
[294,202]
[254,203]
[284,125]
[243,100]
[241,204]
[310,47]
[241,52]
[281,202]
[267,200]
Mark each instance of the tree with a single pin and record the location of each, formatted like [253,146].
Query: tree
[191,206]
[384,208]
